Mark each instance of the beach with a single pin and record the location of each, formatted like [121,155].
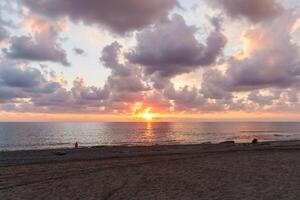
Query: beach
[268,170]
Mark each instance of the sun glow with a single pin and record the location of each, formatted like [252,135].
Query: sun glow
[148,116]
[145,114]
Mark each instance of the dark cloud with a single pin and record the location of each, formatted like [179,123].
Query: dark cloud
[7,94]
[124,77]
[79,51]
[185,98]
[23,82]
[88,93]
[78,99]
[40,47]
[119,16]
[13,76]
[109,57]
[257,97]
[159,82]
[125,83]
[211,87]
[293,96]
[26,89]
[253,10]
[3,33]
[170,48]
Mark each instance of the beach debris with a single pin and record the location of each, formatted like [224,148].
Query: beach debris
[254,141]
[228,142]
[60,153]
[76,145]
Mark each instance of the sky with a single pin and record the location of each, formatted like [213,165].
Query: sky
[129,60]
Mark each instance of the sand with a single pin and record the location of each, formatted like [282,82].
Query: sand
[208,171]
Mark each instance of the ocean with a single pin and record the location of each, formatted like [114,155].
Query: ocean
[44,135]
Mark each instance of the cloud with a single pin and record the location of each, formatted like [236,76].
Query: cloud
[119,16]
[3,34]
[157,101]
[27,89]
[272,59]
[262,76]
[33,92]
[8,7]
[80,98]
[17,77]
[7,94]
[185,99]
[23,82]
[78,51]
[124,77]
[212,86]
[109,57]
[125,83]
[165,50]
[257,97]
[120,92]
[253,10]
[40,47]
[269,59]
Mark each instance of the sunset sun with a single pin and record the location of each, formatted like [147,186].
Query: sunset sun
[148,116]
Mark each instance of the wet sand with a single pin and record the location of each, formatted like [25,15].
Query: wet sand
[208,171]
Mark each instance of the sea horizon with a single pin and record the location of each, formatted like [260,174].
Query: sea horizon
[52,135]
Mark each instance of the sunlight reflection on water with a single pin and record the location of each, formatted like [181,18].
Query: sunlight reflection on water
[14,136]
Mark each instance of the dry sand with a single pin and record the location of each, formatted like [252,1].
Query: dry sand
[225,171]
